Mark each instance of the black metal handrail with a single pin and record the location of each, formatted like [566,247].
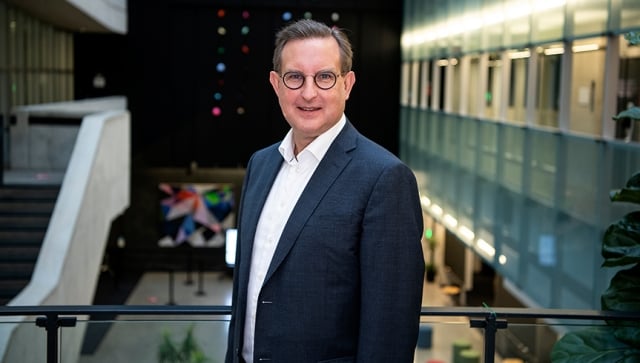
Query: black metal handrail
[52,317]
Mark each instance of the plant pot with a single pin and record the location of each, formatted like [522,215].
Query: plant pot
[431,275]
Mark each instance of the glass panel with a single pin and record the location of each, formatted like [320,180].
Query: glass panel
[453,94]
[516,110]
[488,150]
[548,89]
[18,332]
[442,339]
[590,16]
[509,217]
[532,340]
[439,83]
[548,20]
[587,86]
[148,339]
[494,30]
[513,158]
[468,144]
[542,169]
[451,139]
[582,176]
[628,89]
[471,87]
[517,24]
[629,14]
[494,91]
[425,84]
[473,38]
[39,61]
[405,86]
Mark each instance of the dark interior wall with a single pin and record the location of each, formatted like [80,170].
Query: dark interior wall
[166,66]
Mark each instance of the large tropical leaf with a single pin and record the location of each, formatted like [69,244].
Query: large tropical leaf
[629,335]
[621,241]
[623,292]
[632,113]
[592,345]
[630,193]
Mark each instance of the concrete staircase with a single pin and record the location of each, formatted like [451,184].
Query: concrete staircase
[24,216]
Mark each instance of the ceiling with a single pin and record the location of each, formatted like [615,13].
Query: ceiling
[61,14]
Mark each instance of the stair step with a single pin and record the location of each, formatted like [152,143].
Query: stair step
[23,221]
[12,286]
[26,207]
[29,193]
[25,212]
[27,253]
[16,270]
[20,236]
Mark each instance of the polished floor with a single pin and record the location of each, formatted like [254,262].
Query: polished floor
[139,340]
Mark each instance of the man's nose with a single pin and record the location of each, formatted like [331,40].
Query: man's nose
[309,88]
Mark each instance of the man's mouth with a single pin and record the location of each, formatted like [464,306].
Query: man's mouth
[309,108]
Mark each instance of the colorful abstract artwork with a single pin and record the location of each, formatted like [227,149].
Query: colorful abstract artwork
[196,214]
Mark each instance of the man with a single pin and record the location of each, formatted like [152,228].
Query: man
[329,264]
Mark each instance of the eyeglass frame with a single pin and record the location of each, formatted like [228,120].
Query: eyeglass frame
[315,81]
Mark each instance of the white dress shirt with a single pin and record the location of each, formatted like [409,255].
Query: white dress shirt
[292,178]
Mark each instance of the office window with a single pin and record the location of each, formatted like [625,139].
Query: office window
[517,27]
[518,71]
[587,86]
[473,88]
[493,91]
[426,77]
[628,89]
[547,20]
[629,14]
[38,67]
[590,16]
[405,86]
[548,89]
[492,13]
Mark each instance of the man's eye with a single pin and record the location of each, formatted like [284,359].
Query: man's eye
[294,76]
[325,76]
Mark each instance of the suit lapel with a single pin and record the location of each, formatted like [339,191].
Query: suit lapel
[334,161]
[263,174]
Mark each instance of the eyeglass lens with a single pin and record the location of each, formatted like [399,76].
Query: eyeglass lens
[295,80]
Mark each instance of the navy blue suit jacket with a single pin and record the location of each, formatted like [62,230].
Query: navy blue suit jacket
[345,283]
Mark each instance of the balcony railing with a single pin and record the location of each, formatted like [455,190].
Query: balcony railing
[145,328]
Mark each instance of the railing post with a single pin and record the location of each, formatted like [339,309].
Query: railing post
[490,325]
[51,323]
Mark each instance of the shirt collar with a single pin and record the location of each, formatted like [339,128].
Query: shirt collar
[318,147]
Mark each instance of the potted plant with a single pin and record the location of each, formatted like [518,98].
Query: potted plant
[187,352]
[617,341]
[430,267]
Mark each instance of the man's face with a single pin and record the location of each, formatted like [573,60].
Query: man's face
[309,110]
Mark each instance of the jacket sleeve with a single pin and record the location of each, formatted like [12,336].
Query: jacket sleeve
[392,269]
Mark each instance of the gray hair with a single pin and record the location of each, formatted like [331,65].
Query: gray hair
[307,28]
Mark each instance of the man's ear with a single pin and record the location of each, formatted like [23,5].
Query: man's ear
[349,81]
[274,79]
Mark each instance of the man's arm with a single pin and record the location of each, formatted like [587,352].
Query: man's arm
[392,269]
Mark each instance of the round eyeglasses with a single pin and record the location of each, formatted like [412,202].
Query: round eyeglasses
[324,80]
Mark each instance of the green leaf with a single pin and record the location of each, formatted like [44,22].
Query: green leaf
[621,241]
[629,335]
[632,113]
[630,193]
[633,38]
[596,344]
[167,352]
[622,294]
[625,195]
